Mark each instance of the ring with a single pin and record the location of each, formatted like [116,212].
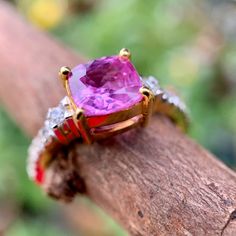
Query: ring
[105,97]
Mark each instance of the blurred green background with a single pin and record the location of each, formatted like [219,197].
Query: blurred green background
[189,45]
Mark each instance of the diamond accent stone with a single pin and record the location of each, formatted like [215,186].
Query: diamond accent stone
[174,100]
[55,116]
[152,83]
[65,102]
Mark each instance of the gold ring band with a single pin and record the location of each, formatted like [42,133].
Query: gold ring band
[68,122]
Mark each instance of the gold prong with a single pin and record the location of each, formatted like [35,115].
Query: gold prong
[64,74]
[79,113]
[147,104]
[125,54]
[81,122]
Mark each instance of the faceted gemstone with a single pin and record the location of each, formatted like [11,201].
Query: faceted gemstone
[55,116]
[105,85]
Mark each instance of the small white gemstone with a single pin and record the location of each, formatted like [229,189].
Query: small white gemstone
[174,100]
[55,116]
[65,105]
[44,133]
[31,171]
[64,102]
[182,106]
[68,113]
[153,84]
[159,91]
[47,131]
[165,96]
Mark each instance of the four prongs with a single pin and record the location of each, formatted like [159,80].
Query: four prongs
[148,99]
[125,54]
[64,74]
[81,122]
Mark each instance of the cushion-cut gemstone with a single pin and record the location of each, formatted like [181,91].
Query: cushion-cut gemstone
[105,85]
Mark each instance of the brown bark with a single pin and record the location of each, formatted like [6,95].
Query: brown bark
[155,181]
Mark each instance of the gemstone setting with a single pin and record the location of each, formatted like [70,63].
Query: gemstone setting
[105,85]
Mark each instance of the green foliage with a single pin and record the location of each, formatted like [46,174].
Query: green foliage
[34,228]
[176,41]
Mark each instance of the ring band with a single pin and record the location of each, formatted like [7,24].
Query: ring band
[104,98]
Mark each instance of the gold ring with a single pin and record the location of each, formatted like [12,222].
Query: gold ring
[105,97]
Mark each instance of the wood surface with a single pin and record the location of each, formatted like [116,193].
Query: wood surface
[154,181]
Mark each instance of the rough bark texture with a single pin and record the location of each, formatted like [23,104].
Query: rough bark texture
[155,181]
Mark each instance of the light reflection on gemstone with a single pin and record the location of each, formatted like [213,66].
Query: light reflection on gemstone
[55,116]
[105,85]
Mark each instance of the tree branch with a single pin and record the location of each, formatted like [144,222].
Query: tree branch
[155,181]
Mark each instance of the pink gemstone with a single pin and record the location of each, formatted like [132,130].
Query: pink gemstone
[105,85]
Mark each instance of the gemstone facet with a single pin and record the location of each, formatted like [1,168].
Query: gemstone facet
[105,86]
